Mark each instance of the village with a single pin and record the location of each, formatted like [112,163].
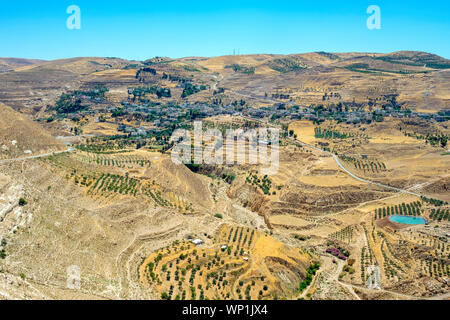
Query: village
[159,116]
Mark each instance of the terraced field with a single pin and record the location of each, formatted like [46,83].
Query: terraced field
[241,263]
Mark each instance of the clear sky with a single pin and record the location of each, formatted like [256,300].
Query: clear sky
[143,29]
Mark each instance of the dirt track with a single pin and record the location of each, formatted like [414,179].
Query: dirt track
[37,156]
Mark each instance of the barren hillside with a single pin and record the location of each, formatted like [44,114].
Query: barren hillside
[21,137]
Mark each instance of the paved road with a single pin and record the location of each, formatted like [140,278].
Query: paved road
[344,169]
[36,156]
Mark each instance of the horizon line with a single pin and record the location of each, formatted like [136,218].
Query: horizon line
[225,55]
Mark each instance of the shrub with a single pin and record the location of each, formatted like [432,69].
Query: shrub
[164,296]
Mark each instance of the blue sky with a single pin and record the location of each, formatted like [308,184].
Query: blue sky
[144,29]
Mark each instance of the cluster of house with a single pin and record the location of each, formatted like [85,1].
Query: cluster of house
[355,117]
[164,116]
[312,114]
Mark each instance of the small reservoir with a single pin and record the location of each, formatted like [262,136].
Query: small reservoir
[408,220]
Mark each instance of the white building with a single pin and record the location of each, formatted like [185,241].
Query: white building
[197,242]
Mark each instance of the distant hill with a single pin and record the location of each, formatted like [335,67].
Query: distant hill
[38,85]
[11,64]
[21,137]
[80,66]
[403,62]
[417,58]
[299,78]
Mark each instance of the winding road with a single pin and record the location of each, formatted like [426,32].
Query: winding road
[336,158]
[371,182]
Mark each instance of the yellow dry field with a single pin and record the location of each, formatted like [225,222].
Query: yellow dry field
[288,220]
[100,128]
[428,164]
[317,171]
[387,133]
[394,139]
[326,173]
[408,163]
[218,64]
[119,73]
[304,131]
